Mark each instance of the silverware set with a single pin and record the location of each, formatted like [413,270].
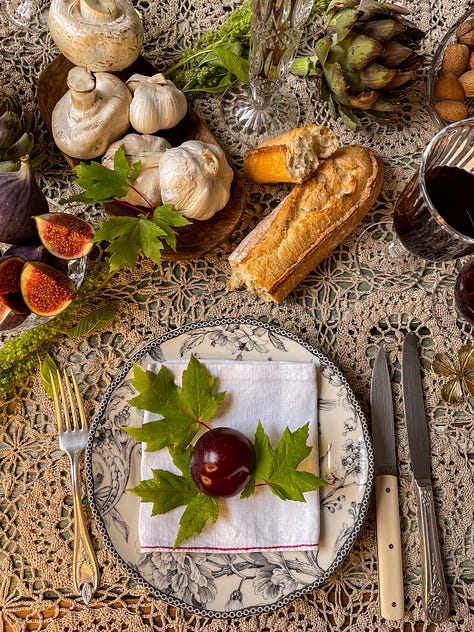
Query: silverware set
[434,592]
[72,433]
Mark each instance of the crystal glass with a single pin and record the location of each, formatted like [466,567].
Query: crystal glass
[31,15]
[267,107]
[433,218]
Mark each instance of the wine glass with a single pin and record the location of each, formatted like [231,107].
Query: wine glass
[433,219]
[30,15]
[267,107]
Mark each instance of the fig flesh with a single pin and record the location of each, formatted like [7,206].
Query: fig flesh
[10,272]
[20,199]
[64,235]
[13,311]
[46,290]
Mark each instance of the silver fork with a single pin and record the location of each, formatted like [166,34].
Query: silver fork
[72,428]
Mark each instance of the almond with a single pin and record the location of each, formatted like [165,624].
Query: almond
[467,82]
[451,111]
[455,59]
[471,60]
[448,88]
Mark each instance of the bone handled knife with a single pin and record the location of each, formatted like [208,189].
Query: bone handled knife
[389,550]
[435,594]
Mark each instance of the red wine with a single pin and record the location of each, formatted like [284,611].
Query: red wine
[451,191]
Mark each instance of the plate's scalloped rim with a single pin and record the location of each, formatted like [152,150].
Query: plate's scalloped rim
[364,505]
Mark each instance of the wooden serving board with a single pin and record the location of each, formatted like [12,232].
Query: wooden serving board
[197,238]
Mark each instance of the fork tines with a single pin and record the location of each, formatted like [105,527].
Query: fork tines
[67,401]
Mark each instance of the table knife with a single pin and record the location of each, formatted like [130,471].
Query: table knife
[435,595]
[389,550]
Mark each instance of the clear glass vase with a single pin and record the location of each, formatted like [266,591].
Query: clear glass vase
[266,106]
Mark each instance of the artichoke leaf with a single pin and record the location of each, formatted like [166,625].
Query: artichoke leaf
[10,129]
[22,147]
[370,10]
[322,48]
[394,54]
[401,79]
[383,30]
[364,100]
[375,76]
[343,24]
[349,118]
[384,105]
[363,50]
[336,81]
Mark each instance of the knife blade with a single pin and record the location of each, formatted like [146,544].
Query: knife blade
[435,594]
[389,549]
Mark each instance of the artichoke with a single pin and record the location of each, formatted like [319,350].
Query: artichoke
[17,133]
[366,59]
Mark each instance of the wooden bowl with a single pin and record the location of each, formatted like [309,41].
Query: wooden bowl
[193,240]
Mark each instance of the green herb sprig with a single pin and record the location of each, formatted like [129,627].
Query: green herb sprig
[220,56]
[184,410]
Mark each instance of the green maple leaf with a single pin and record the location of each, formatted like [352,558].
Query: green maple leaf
[102,184]
[183,408]
[277,467]
[129,236]
[167,491]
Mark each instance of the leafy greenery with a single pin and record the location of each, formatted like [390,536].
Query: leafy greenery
[183,410]
[129,236]
[220,56]
[94,321]
[277,467]
[48,369]
[146,232]
[19,356]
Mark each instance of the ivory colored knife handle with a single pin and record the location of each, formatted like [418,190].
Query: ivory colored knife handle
[389,548]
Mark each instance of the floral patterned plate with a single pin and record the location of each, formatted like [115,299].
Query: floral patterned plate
[217,584]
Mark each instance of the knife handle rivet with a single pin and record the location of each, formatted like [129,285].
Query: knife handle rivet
[387,490]
[394,604]
[390,546]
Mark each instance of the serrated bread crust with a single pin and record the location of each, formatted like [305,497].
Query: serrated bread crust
[308,224]
[290,157]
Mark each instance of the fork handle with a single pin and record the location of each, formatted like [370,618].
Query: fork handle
[85,567]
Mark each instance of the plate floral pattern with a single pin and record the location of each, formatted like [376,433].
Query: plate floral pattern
[217,584]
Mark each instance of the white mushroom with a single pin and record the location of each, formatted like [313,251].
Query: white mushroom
[91,115]
[100,35]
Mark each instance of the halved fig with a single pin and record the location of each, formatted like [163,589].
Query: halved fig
[13,311]
[46,290]
[10,271]
[37,252]
[65,235]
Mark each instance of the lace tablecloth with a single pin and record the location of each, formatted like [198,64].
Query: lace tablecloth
[335,309]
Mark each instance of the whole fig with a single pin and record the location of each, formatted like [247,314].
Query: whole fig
[20,199]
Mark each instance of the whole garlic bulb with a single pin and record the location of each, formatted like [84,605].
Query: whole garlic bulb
[100,35]
[157,103]
[148,150]
[91,114]
[196,178]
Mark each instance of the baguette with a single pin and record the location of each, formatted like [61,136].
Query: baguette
[307,225]
[290,157]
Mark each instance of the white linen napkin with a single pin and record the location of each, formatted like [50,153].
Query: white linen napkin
[279,394]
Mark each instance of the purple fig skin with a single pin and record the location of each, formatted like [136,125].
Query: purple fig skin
[9,317]
[20,199]
[64,235]
[46,290]
[10,271]
[37,252]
